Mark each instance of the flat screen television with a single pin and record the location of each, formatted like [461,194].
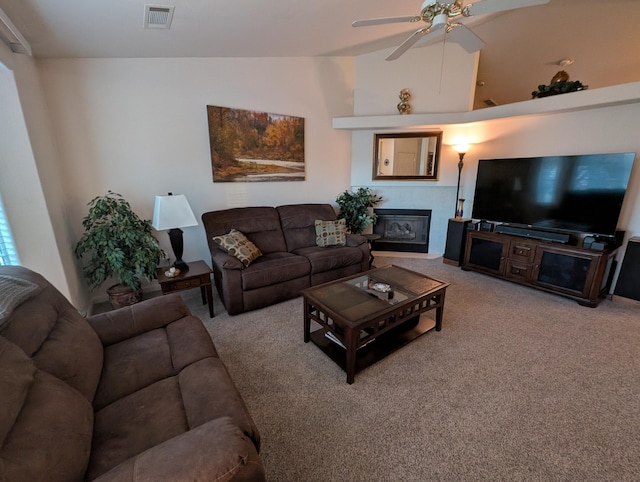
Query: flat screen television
[581,193]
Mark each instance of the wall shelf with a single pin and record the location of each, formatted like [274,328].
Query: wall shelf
[622,94]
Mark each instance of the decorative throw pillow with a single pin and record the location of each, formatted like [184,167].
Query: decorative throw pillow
[236,244]
[331,233]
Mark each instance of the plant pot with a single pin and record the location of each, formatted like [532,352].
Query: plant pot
[120,296]
[549,93]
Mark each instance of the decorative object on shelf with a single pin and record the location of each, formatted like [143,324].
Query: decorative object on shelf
[403,106]
[355,208]
[172,213]
[461,149]
[560,84]
[118,244]
[460,210]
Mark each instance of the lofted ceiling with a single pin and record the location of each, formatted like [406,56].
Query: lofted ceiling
[523,48]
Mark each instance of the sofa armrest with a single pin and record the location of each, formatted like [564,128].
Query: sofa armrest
[216,450]
[355,239]
[124,323]
[225,260]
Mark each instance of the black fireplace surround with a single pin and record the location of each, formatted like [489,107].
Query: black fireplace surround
[404,230]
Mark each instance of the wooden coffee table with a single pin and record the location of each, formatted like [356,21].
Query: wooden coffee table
[365,317]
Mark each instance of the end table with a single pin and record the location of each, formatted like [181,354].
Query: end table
[370,239]
[198,275]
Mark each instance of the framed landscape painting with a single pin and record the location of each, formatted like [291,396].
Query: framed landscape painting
[249,146]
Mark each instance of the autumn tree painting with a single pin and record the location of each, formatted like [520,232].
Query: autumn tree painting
[248,146]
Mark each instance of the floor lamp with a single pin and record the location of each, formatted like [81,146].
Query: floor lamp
[461,149]
[172,213]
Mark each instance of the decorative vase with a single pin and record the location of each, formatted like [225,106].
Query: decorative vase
[459,211]
[403,106]
[120,295]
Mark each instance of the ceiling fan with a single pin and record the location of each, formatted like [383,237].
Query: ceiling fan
[438,15]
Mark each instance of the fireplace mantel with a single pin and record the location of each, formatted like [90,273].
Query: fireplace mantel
[622,94]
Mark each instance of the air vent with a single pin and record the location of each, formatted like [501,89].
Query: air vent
[490,102]
[156,16]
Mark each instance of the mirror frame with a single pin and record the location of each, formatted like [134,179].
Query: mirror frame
[403,135]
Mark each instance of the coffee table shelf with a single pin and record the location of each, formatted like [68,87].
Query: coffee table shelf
[379,348]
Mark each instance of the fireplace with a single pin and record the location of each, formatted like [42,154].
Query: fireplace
[402,230]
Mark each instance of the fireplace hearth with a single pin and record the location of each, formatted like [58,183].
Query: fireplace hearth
[404,230]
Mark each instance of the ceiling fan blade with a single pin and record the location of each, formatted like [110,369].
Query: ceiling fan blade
[468,40]
[492,6]
[407,44]
[380,21]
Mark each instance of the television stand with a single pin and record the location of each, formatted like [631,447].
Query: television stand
[581,274]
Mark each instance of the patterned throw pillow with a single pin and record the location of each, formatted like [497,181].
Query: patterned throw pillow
[236,244]
[331,233]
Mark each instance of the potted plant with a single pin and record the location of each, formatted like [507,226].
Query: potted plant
[560,84]
[118,244]
[354,208]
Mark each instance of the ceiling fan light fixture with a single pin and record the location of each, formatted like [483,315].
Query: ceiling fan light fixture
[439,21]
[437,15]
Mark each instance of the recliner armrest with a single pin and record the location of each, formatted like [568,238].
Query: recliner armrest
[225,260]
[216,450]
[123,323]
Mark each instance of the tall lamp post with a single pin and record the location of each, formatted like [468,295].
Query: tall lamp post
[461,149]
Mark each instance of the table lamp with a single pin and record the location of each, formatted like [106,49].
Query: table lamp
[172,213]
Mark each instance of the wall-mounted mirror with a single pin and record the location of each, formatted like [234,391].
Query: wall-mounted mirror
[406,155]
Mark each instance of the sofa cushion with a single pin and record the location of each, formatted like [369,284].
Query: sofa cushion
[331,257]
[236,244]
[136,423]
[189,457]
[261,225]
[331,233]
[45,425]
[274,268]
[298,223]
[201,392]
[52,332]
[142,360]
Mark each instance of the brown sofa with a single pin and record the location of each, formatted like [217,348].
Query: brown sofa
[134,394]
[290,262]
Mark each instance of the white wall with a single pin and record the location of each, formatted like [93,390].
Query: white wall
[139,127]
[26,158]
[440,78]
[437,84]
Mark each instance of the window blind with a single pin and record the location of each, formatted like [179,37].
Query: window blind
[8,254]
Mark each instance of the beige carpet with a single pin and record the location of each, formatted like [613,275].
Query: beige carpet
[518,385]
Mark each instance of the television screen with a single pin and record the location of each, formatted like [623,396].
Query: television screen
[581,193]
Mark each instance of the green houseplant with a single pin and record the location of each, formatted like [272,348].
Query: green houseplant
[354,208]
[118,244]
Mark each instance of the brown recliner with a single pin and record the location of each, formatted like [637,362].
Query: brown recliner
[134,394]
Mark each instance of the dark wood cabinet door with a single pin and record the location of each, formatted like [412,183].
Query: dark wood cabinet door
[485,252]
[565,270]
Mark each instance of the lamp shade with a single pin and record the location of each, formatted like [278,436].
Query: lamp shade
[461,148]
[172,212]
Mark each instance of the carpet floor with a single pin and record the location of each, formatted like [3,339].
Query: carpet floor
[519,385]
